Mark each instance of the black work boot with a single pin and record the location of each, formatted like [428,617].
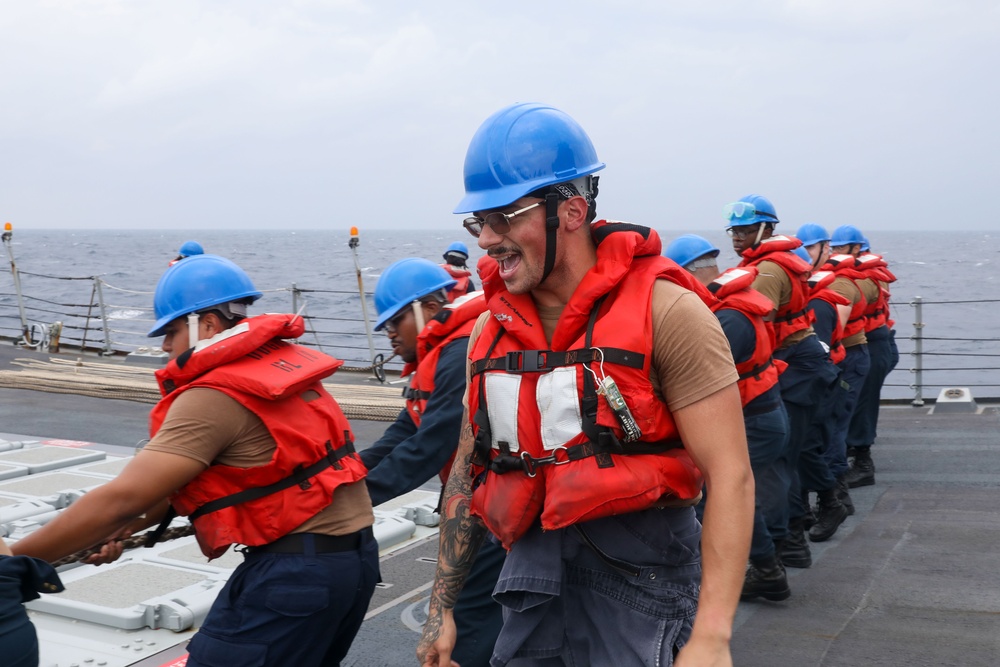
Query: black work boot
[843,496]
[809,520]
[862,471]
[766,579]
[794,549]
[831,514]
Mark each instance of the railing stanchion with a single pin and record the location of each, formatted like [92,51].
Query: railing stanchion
[918,349]
[108,348]
[353,244]
[8,233]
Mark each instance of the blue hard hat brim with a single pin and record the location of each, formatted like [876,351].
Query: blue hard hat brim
[756,219]
[485,200]
[162,323]
[403,303]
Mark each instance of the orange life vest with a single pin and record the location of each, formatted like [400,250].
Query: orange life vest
[819,288]
[846,266]
[314,451]
[463,276]
[874,267]
[454,321]
[547,445]
[760,372]
[794,315]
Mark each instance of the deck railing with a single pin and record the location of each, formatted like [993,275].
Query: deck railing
[960,360]
[96,315]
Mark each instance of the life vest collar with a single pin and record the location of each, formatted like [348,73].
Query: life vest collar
[228,346]
[821,279]
[842,260]
[776,243]
[733,280]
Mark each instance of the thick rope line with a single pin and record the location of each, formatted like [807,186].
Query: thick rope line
[128,543]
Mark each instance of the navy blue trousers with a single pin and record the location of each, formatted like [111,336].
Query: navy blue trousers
[803,384]
[854,371]
[478,617]
[289,609]
[864,421]
[21,579]
[767,437]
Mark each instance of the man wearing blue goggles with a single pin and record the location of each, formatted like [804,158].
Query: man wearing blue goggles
[782,278]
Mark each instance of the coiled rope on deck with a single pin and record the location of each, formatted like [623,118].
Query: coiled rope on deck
[138,383]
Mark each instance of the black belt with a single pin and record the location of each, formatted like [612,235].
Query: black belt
[752,410]
[298,543]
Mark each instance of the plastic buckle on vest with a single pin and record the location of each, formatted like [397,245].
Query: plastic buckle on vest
[525,361]
[531,464]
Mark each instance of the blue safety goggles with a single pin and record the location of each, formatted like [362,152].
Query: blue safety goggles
[743,213]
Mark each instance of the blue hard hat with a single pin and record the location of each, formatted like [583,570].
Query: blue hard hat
[199,282]
[191,248]
[405,281]
[520,149]
[750,210]
[803,254]
[689,247]
[865,245]
[811,233]
[846,235]
[459,247]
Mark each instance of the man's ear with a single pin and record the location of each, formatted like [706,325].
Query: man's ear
[212,322]
[575,212]
[432,308]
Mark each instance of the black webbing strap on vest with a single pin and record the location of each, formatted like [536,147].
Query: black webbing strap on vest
[603,438]
[756,370]
[532,361]
[791,316]
[153,536]
[605,231]
[601,450]
[299,477]
[411,394]
[484,436]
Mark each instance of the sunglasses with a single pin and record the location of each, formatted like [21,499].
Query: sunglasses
[742,231]
[392,324]
[500,223]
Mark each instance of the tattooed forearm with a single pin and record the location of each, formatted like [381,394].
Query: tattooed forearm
[461,533]
[461,536]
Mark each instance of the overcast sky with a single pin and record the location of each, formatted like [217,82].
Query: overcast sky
[257,113]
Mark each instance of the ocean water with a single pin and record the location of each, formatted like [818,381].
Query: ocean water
[956,273]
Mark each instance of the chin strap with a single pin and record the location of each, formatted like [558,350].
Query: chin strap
[418,315]
[551,227]
[192,330]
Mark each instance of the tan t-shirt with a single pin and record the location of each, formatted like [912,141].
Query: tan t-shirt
[774,283]
[865,288]
[691,356]
[210,427]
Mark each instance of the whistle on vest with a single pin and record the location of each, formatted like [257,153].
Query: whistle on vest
[609,390]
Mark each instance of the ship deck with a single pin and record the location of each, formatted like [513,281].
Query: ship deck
[908,580]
